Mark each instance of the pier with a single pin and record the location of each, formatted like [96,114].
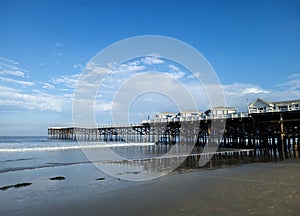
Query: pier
[271,135]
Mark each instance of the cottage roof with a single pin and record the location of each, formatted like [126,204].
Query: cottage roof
[287,102]
[223,108]
[259,102]
[220,109]
[191,111]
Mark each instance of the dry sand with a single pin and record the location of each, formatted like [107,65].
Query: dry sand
[250,189]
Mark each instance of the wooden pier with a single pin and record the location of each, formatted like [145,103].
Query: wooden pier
[132,133]
[272,135]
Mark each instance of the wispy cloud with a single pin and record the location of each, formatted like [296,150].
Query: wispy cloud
[8,89]
[21,82]
[8,60]
[59,44]
[175,72]
[48,86]
[10,67]
[78,66]
[12,72]
[68,80]
[292,82]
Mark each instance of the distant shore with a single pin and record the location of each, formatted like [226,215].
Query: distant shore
[250,189]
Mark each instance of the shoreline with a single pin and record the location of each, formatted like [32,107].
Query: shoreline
[270,188]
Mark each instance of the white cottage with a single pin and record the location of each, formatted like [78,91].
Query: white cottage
[190,115]
[262,106]
[220,112]
[165,116]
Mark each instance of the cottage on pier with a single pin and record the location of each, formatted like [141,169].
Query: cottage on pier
[165,117]
[263,106]
[190,115]
[220,112]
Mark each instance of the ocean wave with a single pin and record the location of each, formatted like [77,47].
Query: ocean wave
[83,146]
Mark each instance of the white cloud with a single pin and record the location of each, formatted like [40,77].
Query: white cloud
[173,68]
[151,99]
[292,82]
[8,89]
[12,72]
[148,82]
[10,80]
[102,106]
[175,72]
[35,101]
[85,83]
[254,90]
[177,75]
[36,90]
[78,66]
[70,96]
[243,89]
[150,60]
[24,97]
[48,86]
[130,67]
[92,70]
[68,80]
[112,65]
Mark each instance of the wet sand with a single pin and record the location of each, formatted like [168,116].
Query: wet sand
[249,189]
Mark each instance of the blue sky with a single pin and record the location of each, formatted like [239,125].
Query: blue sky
[253,46]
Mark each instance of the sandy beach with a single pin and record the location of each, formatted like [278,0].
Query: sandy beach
[251,189]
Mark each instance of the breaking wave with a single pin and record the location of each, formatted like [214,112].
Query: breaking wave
[83,146]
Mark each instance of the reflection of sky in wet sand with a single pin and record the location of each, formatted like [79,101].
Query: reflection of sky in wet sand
[259,188]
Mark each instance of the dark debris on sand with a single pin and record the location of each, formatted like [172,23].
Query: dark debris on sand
[59,178]
[16,186]
[100,179]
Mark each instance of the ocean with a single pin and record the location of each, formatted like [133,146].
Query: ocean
[129,161]
[114,158]
[26,153]
[35,161]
